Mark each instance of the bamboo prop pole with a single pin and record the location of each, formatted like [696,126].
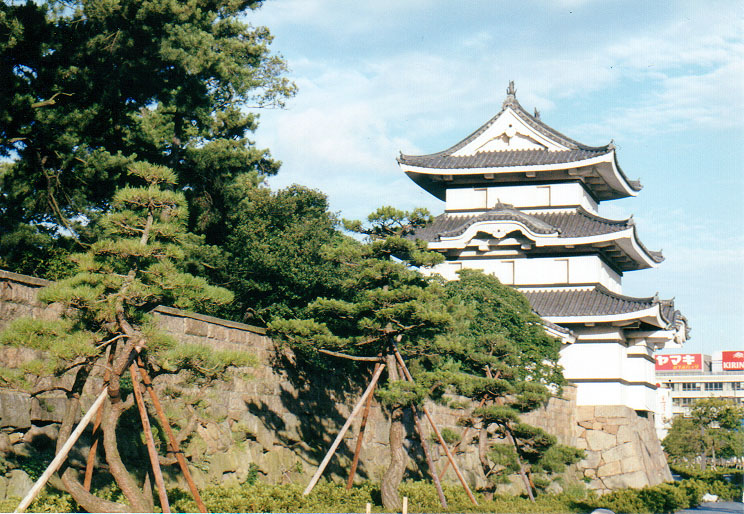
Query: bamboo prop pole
[62,455]
[171,438]
[436,431]
[360,438]
[148,437]
[340,435]
[91,461]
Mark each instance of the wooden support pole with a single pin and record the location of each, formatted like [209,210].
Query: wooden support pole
[346,426]
[436,431]
[148,438]
[62,455]
[172,441]
[360,437]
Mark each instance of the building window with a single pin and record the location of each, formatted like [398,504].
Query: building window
[690,386]
[714,386]
[676,402]
[687,401]
[736,386]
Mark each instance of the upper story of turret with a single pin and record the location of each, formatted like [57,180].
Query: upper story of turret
[517,159]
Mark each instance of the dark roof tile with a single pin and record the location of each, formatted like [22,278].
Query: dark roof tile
[499,159]
[598,301]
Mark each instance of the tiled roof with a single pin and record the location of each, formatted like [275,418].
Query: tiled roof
[567,224]
[598,301]
[499,159]
[577,151]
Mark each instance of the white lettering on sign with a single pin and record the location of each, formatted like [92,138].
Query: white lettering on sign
[676,359]
[662,359]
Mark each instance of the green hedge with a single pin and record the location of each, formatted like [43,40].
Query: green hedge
[422,497]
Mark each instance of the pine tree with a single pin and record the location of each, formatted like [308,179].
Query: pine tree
[106,321]
[92,86]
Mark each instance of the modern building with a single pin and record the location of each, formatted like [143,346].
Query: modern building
[522,203]
[689,377]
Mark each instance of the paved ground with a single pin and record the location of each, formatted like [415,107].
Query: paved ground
[716,508]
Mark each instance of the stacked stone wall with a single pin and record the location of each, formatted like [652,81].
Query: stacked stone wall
[279,422]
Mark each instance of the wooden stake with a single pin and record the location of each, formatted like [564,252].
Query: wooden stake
[436,430]
[62,455]
[340,435]
[368,508]
[360,438]
[172,441]
[148,437]
[405,505]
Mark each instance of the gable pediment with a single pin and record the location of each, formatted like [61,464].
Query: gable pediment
[509,132]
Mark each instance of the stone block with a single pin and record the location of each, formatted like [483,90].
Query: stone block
[620,452]
[19,483]
[611,411]
[217,332]
[15,409]
[599,441]
[611,429]
[586,424]
[48,409]
[631,464]
[591,460]
[196,328]
[636,480]
[609,469]
[623,420]
[585,413]
[625,434]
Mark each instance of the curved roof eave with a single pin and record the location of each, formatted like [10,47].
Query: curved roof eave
[651,315]
[409,168]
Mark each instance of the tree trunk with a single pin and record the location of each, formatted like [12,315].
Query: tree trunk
[124,480]
[483,450]
[69,479]
[527,482]
[398,457]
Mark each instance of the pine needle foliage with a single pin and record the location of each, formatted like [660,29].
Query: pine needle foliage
[106,322]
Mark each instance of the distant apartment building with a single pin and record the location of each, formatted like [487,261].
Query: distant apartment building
[686,377]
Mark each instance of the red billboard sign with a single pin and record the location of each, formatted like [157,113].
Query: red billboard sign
[732,361]
[680,362]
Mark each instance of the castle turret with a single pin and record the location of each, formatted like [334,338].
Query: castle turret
[522,204]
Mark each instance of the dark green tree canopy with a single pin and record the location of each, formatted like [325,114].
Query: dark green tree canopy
[90,86]
[277,243]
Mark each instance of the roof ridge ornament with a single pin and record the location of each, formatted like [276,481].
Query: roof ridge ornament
[511,95]
[611,146]
[537,114]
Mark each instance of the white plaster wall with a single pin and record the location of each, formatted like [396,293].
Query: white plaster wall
[523,196]
[593,360]
[588,269]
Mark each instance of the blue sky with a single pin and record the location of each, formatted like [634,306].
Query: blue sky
[665,80]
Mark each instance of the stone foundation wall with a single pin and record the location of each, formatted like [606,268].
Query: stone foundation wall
[622,449]
[279,422]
